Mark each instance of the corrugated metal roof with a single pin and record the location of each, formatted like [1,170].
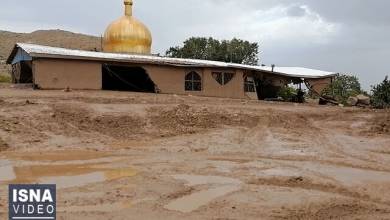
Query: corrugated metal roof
[55,52]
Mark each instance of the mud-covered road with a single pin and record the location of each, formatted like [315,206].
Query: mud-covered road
[120,155]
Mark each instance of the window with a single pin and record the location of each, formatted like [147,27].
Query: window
[222,78]
[193,82]
[249,84]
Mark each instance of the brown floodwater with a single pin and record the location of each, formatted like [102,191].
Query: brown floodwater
[65,176]
[69,155]
[70,169]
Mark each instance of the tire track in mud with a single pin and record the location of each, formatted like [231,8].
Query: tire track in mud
[347,143]
[256,138]
[300,182]
[234,158]
[334,210]
[269,132]
[307,184]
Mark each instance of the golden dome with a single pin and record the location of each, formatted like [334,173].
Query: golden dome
[127,34]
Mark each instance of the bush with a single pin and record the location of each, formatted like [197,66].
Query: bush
[290,94]
[5,78]
[381,94]
[343,87]
[287,93]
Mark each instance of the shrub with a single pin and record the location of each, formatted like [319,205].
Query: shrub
[381,94]
[5,78]
[343,87]
[290,94]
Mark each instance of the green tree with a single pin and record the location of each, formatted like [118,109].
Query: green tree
[343,87]
[381,94]
[235,50]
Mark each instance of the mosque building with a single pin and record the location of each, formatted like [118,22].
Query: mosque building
[126,64]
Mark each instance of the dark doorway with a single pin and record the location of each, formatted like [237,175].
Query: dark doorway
[265,90]
[22,72]
[125,78]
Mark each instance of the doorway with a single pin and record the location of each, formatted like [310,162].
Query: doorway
[265,89]
[22,72]
[126,78]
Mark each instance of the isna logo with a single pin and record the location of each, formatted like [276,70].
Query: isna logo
[32,202]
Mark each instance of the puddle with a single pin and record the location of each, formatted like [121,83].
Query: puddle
[72,155]
[65,176]
[85,179]
[351,176]
[74,168]
[285,172]
[344,175]
[196,200]
[103,160]
[73,181]
[221,186]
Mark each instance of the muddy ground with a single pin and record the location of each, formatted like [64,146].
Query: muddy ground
[116,155]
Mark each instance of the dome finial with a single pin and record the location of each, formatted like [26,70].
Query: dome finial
[127,34]
[128,7]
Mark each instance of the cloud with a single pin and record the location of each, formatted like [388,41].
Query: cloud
[274,25]
[296,11]
[278,25]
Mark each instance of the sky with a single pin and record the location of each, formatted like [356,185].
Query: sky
[348,36]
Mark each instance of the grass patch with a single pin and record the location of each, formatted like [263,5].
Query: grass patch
[5,78]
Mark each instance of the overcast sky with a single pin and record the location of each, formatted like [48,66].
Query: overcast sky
[348,36]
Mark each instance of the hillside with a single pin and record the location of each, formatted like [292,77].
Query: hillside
[58,38]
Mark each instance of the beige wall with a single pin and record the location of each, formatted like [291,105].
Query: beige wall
[172,80]
[233,89]
[75,74]
[60,74]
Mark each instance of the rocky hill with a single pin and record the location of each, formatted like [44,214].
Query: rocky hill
[58,38]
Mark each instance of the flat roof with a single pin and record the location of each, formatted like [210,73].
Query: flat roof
[39,51]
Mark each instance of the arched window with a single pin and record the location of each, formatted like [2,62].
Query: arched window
[222,78]
[193,82]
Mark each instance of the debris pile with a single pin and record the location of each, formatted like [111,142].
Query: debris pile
[359,100]
[184,119]
[68,119]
